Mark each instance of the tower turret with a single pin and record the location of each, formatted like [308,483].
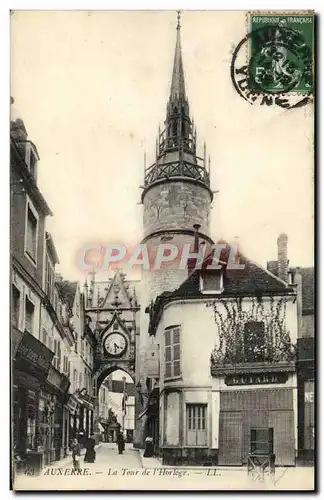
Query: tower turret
[176,193]
[176,156]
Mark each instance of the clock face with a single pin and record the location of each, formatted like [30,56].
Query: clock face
[115,344]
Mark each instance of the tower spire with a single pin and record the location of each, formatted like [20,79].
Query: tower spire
[178,82]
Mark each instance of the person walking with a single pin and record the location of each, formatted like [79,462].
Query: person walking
[90,455]
[120,443]
[149,447]
[76,454]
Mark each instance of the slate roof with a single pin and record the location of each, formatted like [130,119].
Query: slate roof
[252,280]
[68,290]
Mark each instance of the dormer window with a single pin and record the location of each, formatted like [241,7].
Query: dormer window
[211,282]
[31,159]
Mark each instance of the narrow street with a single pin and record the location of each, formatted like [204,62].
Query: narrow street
[108,458]
[112,471]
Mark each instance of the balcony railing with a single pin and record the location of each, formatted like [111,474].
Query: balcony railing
[180,168]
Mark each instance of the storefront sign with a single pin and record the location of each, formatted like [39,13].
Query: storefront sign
[257,379]
[86,397]
[58,379]
[33,351]
[309,397]
[54,377]
[72,404]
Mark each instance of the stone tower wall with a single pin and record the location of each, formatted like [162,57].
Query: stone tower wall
[176,205]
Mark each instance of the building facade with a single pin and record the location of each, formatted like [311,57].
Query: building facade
[52,351]
[228,383]
[39,385]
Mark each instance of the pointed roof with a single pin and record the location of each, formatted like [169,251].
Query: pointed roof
[178,82]
[117,292]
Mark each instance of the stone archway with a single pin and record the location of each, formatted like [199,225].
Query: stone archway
[99,376]
[108,368]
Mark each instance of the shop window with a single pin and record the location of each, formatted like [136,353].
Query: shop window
[254,341]
[309,415]
[172,352]
[261,441]
[29,315]
[196,424]
[15,306]
[31,420]
[31,233]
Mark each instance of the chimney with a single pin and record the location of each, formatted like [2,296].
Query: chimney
[282,243]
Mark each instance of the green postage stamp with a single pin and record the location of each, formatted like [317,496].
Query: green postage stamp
[281,52]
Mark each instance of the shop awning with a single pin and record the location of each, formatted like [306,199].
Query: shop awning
[101,427]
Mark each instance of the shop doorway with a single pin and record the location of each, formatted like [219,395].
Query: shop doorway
[230,438]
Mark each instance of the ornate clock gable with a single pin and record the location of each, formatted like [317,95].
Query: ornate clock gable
[117,293]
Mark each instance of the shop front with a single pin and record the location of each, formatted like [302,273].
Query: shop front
[257,416]
[31,365]
[52,416]
[85,416]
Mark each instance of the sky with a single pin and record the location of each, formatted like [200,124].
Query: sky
[92,88]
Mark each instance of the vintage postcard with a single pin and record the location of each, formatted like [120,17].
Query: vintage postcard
[162,240]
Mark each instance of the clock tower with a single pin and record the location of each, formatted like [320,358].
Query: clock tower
[176,199]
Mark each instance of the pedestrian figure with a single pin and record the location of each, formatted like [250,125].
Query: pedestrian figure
[90,455]
[120,443]
[76,453]
[149,448]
